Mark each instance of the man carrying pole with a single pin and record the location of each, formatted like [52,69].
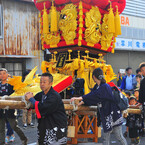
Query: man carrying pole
[52,120]
[6,89]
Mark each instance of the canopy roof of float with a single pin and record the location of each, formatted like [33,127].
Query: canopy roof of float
[90,24]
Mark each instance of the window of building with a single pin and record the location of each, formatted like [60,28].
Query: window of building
[135,8]
[14,68]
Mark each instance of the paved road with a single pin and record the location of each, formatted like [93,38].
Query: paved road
[31,134]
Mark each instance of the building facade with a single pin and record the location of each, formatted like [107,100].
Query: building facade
[20,47]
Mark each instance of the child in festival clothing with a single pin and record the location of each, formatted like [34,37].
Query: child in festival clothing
[136,94]
[127,94]
[134,123]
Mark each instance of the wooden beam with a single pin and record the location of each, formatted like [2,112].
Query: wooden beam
[76,48]
[15,98]
[16,103]
[12,104]
[19,98]
[134,111]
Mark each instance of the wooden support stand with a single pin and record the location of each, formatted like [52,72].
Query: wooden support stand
[83,124]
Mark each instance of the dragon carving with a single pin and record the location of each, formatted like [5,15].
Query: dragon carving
[92,21]
[68,23]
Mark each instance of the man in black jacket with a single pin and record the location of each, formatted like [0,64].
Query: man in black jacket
[6,89]
[142,85]
[52,120]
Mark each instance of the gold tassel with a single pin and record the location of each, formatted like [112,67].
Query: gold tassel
[45,21]
[111,25]
[117,23]
[112,51]
[54,27]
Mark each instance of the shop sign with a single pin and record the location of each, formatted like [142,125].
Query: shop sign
[124,20]
[130,44]
[132,21]
[122,43]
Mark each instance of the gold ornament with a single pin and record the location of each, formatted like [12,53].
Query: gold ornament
[106,38]
[80,23]
[68,23]
[54,18]
[111,25]
[92,21]
[52,38]
[69,51]
[45,21]
[117,23]
[83,67]
[30,84]
[55,52]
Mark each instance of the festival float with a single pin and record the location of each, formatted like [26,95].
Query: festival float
[78,33]
[81,29]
